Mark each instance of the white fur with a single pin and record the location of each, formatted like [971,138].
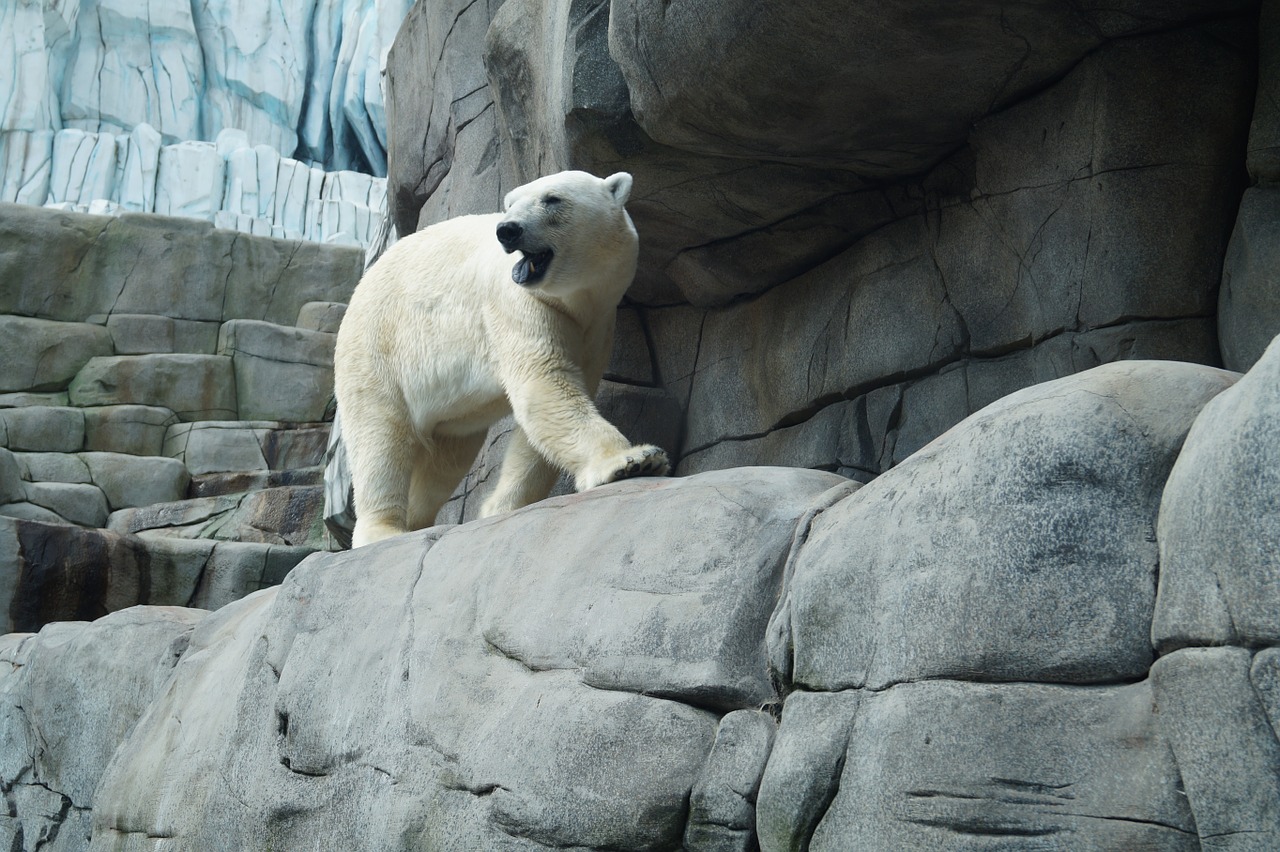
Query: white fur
[439,342]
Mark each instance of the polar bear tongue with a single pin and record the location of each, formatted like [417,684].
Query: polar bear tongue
[530,268]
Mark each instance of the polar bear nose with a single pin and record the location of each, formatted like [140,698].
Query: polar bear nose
[509,234]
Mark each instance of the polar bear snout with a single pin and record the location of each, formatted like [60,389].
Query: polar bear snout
[509,234]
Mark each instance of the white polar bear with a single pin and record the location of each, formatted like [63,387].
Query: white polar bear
[443,337]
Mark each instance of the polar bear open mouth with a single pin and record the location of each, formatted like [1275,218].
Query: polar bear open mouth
[531,268]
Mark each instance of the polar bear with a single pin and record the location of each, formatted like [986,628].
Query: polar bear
[444,336]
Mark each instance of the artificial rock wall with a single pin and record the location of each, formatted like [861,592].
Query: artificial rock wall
[1026,635]
[859,225]
[164,400]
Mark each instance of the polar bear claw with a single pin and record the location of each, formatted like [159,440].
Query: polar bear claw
[642,461]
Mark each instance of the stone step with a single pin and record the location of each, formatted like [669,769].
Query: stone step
[32,426]
[286,515]
[83,488]
[217,484]
[281,373]
[126,481]
[76,267]
[240,446]
[67,573]
[42,355]
[241,369]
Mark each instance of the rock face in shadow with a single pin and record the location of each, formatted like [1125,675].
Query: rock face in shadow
[861,225]
[968,651]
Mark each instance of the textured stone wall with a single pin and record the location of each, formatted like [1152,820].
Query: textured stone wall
[1054,625]
[859,225]
[163,403]
[1015,584]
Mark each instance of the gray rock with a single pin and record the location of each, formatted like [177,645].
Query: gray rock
[1219,528]
[1264,135]
[803,773]
[181,518]
[134,429]
[142,334]
[677,338]
[85,505]
[445,159]
[1249,301]
[22,400]
[872,432]
[236,569]
[632,361]
[281,373]
[901,85]
[42,429]
[947,765]
[11,470]
[778,354]
[1020,544]
[70,266]
[24,511]
[40,355]
[194,387]
[137,481]
[288,515]
[53,467]
[214,484]
[883,113]
[321,316]
[1053,236]
[722,803]
[1264,675]
[516,720]
[245,446]
[1227,753]
[56,572]
[76,690]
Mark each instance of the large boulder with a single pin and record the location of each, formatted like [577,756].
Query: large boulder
[881,90]
[1249,301]
[68,697]
[551,677]
[1219,524]
[1020,544]
[958,653]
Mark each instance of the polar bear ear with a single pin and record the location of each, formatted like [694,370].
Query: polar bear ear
[619,186]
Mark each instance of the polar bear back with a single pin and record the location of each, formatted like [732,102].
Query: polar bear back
[415,325]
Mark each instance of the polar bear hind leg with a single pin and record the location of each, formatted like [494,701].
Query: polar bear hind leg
[437,470]
[381,452]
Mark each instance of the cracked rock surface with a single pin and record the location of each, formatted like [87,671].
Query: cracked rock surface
[861,225]
[1007,640]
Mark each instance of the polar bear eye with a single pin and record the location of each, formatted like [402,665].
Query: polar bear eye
[551,200]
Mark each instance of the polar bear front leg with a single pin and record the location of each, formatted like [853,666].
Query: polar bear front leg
[526,477]
[565,426]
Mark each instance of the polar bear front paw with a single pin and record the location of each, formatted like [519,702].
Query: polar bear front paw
[643,460]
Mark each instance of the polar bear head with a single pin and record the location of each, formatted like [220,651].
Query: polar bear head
[566,226]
